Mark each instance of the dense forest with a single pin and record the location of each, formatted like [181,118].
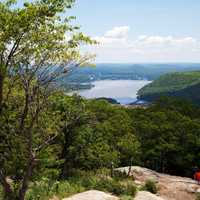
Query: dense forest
[94,134]
[163,137]
[180,84]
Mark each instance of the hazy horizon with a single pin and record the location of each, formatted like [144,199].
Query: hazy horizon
[147,62]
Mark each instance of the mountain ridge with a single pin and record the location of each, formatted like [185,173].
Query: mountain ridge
[179,84]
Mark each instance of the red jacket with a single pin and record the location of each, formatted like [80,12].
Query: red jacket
[197,176]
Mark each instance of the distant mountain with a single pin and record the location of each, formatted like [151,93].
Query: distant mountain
[85,75]
[82,77]
[127,71]
[179,84]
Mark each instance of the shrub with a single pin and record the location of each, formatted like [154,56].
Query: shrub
[131,189]
[150,186]
[117,188]
[46,188]
[109,185]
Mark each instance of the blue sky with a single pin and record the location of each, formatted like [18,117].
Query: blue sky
[141,30]
[177,17]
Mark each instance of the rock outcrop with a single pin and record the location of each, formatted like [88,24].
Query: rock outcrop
[144,195]
[169,187]
[92,195]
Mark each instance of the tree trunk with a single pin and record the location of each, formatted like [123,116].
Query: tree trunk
[67,166]
[8,192]
[26,179]
[25,112]
[1,91]
[66,170]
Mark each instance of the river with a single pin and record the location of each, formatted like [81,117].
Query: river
[124,91]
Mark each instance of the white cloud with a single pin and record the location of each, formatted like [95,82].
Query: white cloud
[142,37]
[168,40]
[116,45]
[118,32]
[114,37]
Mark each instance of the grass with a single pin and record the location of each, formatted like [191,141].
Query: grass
[44,189]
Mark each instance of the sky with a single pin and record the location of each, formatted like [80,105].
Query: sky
[141,31]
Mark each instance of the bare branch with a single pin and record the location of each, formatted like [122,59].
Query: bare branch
[48,141]
[13,49]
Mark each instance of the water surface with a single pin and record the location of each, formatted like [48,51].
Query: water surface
[124,91]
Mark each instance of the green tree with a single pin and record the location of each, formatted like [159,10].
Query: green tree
[34,52]
[38,30]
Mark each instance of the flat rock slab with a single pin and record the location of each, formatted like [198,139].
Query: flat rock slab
[92,195]
[143,195]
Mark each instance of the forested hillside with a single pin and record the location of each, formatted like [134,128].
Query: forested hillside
[185,84]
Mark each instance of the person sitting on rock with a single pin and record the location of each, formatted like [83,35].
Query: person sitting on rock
[197,176]
[194,170]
